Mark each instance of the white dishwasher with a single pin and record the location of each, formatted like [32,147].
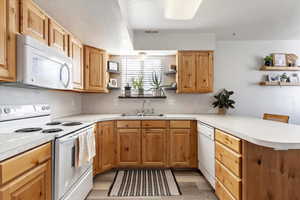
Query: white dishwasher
[206,152]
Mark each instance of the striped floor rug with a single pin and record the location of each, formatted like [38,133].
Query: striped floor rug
[144,182]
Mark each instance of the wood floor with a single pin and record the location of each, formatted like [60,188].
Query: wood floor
[192,185]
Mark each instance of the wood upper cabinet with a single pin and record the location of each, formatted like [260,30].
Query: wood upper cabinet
[58,37]
[95,69]
[154,147]
[76,53]
[107,145]
[195,72]
[180,147]
[34,21]
[128,147]
[8,25]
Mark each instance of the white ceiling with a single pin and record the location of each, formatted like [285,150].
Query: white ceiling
[249,19]
[97,23]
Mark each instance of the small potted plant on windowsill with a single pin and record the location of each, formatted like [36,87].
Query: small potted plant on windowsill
[223,101]
[138,84]
[156,83]
[268,60]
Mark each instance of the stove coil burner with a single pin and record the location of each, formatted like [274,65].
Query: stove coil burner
[52,130]
[71,123]
[27,130]
[53,123]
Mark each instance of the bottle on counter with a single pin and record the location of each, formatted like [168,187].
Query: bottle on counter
[127,90]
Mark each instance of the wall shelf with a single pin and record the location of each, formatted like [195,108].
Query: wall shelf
[113,88]
[275,68]
[266,83]
[114,72]
[171,73]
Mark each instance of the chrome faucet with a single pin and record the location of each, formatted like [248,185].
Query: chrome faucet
[142,111]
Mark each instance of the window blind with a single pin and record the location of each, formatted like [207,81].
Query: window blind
[133,66]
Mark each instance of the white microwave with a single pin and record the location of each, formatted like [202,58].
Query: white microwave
[42,66]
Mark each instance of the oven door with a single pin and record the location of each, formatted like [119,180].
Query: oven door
[66,173]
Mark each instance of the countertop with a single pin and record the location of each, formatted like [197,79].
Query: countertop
[265,133]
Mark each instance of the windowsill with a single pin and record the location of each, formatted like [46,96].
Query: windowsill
[143,97]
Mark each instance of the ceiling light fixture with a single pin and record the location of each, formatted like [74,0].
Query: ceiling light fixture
[181,9]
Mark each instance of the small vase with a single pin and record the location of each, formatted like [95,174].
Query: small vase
[141,91]
[222,111]
[268,63]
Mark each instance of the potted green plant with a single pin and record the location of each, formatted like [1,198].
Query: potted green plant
[284,77]
[223,101]
[156,83]
[138,84]
[268,60]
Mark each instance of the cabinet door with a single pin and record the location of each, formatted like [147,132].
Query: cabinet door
[204,64]
[154,147]
[34,185]
[187,72]
[107,146]
[58,37]
[180,147]
[95,70]
[97,156]
[34,22]
[128,147]
[76,53]
[8,24]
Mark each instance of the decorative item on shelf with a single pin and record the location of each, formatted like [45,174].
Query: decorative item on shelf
[156,83]
[113,83]
[127,89]
[291,60]
[279,59]
[138,84]
[268,60]
[272,78]
[284,78]
[294,78]
[112,66]
[223,101]
[171,86]
[172,68]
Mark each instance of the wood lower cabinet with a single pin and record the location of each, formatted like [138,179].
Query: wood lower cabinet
[29,178]
[76,53]
[180,146]
[107,145]
[195,72]
[95,61]
[34,21]
[154,147]
[8,26]
[128,147]
[58,37]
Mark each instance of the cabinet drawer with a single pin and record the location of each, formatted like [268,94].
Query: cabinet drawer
[154,124]
[180,124]
[17,165]
[222,193]
[230,141]
[229,159]
[229,180]
[128,124]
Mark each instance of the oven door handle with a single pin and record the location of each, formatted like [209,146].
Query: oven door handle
[73,156]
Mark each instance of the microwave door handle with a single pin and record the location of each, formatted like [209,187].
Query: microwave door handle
[60,75]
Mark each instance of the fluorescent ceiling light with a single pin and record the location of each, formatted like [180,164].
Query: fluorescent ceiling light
[181,9]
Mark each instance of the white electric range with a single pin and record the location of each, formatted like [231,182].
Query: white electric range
[22,124]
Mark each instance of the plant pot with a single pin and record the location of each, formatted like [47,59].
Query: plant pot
[222,111]
[268,63]
[157,92]
[141,91]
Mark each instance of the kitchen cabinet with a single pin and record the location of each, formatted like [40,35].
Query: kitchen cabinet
[195,72]
[32,180]
[8,24]
[76,53]
[96,160]
[34,21]
[58,37]
[95,70]
[128,147]
[180,143]
[154,147]
[107,145]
